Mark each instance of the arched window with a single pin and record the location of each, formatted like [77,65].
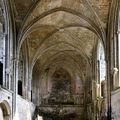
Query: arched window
[101,70]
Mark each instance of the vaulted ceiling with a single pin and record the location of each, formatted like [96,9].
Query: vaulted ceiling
[61,32]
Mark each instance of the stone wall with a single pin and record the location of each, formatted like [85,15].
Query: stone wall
[25,109]
[116,105]
[6,99]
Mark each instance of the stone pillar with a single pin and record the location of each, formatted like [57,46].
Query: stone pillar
[2,54]
[15,86]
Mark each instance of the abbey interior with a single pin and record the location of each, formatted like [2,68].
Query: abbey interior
[59,59]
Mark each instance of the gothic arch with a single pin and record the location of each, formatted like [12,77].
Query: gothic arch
[5,108]
[93,26]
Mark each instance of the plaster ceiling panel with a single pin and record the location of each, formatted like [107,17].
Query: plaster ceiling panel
[66,56]
[49,25]
[78,6]
[36,37]
[45,6]
[49,36]
[61,60]
[101,7]
[53,56]
[79,39]
[84,37]
[22,7]
[61,19]
[52,47]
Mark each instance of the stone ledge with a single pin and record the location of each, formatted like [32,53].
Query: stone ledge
[6,90]
[23,99]
[115,91]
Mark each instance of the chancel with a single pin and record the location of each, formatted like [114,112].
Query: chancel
[59,59]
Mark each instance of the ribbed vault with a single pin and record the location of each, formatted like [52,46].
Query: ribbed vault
[60,34]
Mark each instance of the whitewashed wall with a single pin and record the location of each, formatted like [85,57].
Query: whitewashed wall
[25,109]
[6,98]
[116,105]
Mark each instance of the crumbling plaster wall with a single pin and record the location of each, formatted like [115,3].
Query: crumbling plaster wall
[6,97]
[116,105]
[25,109]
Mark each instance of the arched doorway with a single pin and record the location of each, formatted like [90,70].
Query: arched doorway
[5,111]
